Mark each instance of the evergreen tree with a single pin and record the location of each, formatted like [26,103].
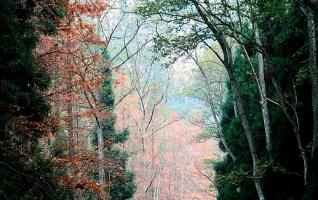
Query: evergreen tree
[124,187]
[121,180]
[24,173]
[283,177]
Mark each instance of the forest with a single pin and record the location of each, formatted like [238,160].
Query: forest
[158,99]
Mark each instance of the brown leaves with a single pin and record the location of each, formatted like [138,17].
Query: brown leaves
[81,166]
[76,67]
[25,125]
[91,9]
[81,184]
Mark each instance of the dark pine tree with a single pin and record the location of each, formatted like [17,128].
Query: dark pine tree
[283,30]
[24,173]
[122,187]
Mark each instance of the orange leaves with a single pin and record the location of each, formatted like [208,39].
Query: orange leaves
[75,68]
[95,39]
[81,184]
[76,159]
[91,85]
[75,65]
[77,18]
[51,124]
[92,9]
[93,112]
[23,124]
[60,161]
[81,166]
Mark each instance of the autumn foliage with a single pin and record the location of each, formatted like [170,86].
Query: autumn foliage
[74,59]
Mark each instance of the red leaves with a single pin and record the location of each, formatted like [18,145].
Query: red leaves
[24,124]
[75,69]
[60,161]
[81,166]
[92,9]
[75,65]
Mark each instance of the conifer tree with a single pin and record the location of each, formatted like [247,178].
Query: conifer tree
[24,172]
[121,181]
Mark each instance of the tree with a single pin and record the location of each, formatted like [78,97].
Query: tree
[226,59]
[25,172]
[286,89]
[260,33]
[121,181]
[83,101]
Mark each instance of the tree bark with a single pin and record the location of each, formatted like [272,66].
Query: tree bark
[71,145]
[228,63]
[248,133]
[264,104]
[235,108]
[100,140]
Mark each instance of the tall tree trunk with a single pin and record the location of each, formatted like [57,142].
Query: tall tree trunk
[100,139]
[262,84]
[260,80]
[159,183]
[144,167]
[186,157]
[71,145]
[228,63]
[248,134]
[101,170]
[312,45]
[235,108]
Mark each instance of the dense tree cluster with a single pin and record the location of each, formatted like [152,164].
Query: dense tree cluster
[40,157]
[123,186]
[58,133]
[269,120]
[289,170]
[25,173]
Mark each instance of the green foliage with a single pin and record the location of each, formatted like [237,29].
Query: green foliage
[122,136]
[123,187]
[49,15]
[282,178]
[20,84]
[22,178]
[283,29]
[107,95]
[24,172]
[124,190]
[165,6]
[179,36]
[58,146]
